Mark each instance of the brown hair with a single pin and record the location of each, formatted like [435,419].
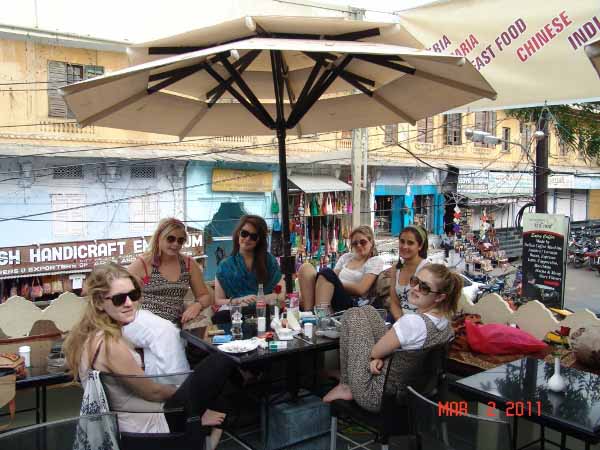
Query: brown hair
[420,235]
[368,232]
[165,226]
[449,283]
[260,251]
[94,319]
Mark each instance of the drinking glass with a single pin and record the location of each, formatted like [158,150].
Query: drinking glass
[236,313]
[322,313]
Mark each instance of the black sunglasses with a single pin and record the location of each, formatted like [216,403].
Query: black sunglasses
[246,233]
[180,241]
[423,287]
[362,242]
[120,299]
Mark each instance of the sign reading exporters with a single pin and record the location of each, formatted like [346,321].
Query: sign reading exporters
[241,180]
[84,255]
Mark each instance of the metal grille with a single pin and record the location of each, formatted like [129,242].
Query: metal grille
[67,173]
[145,172]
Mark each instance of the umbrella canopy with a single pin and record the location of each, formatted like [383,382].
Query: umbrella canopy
[593,52]
[261,76]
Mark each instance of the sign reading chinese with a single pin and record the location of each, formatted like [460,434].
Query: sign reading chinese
[544,257]
[33,260]
[241,180]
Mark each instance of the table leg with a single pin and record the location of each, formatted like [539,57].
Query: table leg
[563,441]
[542,437]
[44,404]
[515,432]
[37,404]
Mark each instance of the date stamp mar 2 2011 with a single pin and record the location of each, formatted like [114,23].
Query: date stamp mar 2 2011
[513,409]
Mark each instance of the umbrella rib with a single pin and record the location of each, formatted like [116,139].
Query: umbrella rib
[309,82]
[113,108]
[285,71]
[192,123]
[245,88]
[356,84]
[266,121]
[386,63]
[244,63]
[455,84]
[179,75]
[320,87]
[353,75]
[387,105]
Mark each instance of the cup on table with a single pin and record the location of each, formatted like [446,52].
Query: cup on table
[25,353]
[322,313]
[236,313]
[308,330]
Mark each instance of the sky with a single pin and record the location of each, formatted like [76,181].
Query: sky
[142,20]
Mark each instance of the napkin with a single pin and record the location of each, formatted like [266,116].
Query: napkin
[222,339]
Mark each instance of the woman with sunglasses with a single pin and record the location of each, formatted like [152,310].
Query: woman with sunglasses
[168,275]
[249,265]
[366,344]
[349,282]
[412,246]
[97,343]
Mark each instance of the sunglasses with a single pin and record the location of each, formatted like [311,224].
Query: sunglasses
[180,241]
[361,242]
[423,287]
[120,299]
[246,233]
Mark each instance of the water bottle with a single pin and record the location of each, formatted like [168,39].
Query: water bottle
[261,293]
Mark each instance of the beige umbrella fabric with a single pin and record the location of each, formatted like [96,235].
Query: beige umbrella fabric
[593,52]
[267,75]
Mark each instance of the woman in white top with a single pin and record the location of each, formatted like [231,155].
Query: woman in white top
[366,343]
[349,282]
[97,343]
[412,246]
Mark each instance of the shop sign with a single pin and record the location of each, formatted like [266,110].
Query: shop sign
[84,255]
[561,181]
[544,257]
[473,182]
[511,183]
[241,181]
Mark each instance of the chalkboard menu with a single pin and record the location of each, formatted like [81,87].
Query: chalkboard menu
[544,257]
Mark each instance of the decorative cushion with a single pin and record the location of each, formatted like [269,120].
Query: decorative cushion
[380,291]
[585,341]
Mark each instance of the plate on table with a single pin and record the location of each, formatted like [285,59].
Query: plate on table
[244,346]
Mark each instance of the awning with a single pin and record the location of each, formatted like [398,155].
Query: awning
[319,183]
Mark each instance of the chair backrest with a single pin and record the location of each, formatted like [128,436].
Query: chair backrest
[439,427]
[126,393]
[66,434]
[423,369]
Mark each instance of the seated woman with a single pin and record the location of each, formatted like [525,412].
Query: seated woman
[349,282]
[97,343]
[412,246]
[249,265]
[366,344]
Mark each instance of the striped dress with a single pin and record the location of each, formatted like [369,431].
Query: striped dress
[163,297]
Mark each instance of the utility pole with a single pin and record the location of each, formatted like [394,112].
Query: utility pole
[359,141]
[541,167]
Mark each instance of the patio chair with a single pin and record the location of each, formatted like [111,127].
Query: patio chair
[439,430]
[63,434]
[185,434]
[426,371]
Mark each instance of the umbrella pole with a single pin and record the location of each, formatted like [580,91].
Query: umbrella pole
[287,262]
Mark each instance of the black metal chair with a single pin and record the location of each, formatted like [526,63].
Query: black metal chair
[437,428]
[424,368]
[66,435]
[185,433]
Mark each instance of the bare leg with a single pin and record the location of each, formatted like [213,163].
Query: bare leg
[324,291]
[340,392]
[307,276]
[215,437]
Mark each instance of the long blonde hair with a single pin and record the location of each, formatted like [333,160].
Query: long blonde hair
[449,283]
[94,319]
[165,226]
[367,231]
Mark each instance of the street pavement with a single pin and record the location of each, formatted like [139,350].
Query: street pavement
[582,290]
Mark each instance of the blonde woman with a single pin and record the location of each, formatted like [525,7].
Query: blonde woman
[167,275]
[349,282]
[97,343]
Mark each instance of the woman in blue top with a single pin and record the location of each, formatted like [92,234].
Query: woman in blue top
[249,265]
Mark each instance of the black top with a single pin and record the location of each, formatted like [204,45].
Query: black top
[576,411]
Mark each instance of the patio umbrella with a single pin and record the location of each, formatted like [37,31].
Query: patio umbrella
[593,52]
[268,75]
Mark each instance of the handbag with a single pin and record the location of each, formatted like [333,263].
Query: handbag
[36,289]
[25,290]
[274,204]
[8,390]
[12,361]
[57,286]
[46,286]
[89,435]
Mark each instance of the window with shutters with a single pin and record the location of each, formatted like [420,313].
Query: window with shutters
[526,132]
[425,130]
[68,173]
[391,134]
[143,172]
[485,121]
[143,214]
[68,216]
[505,139]
[61,73]
[453,129]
